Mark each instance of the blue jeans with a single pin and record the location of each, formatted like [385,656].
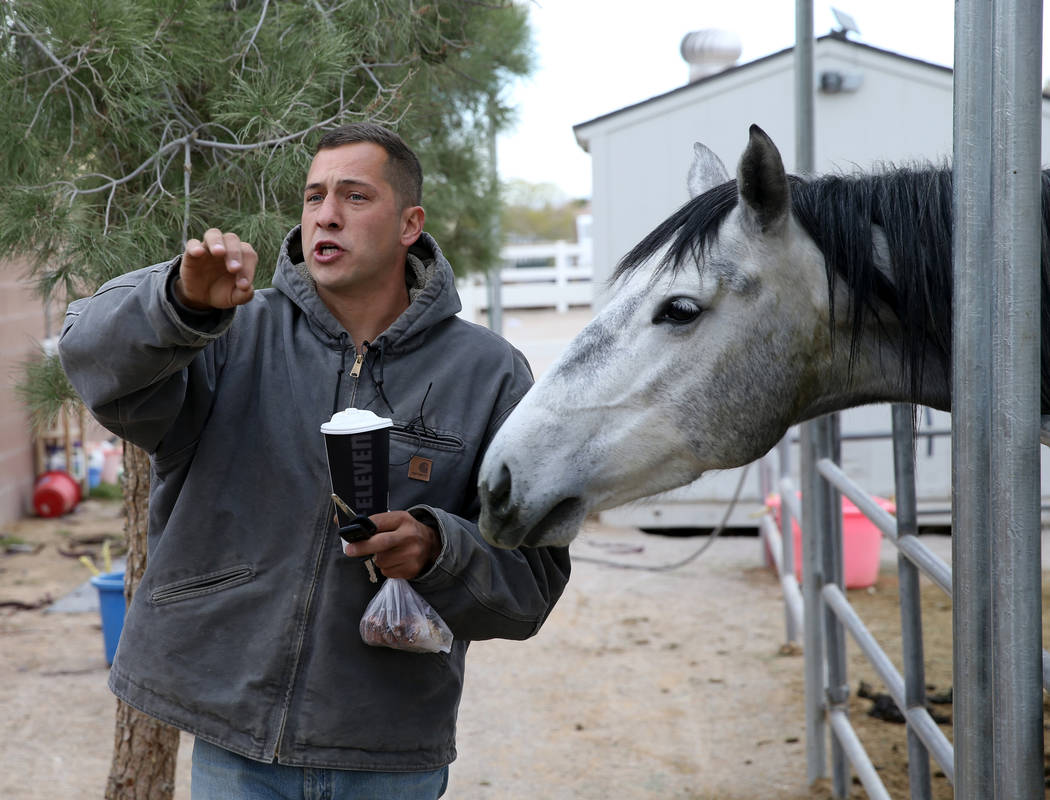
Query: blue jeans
[219,774]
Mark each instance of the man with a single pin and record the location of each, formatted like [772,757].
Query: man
[244,630]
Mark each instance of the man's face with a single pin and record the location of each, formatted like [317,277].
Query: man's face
[354,229]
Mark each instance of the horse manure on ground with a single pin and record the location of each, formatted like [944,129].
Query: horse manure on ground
[884,707]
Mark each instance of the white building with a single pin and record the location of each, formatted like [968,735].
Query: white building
[871,107]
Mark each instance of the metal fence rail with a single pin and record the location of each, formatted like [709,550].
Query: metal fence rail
[931,565]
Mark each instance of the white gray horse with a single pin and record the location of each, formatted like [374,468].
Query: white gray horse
[761,303]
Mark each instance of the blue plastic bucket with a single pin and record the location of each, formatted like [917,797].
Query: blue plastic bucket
[111,604]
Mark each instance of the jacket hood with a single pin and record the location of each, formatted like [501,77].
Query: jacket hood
[428,276]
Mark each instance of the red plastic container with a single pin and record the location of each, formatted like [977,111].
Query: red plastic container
[55,494]
[861,542]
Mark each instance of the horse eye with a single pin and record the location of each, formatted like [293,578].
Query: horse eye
[677,311]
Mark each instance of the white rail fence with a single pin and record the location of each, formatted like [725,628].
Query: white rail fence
[563,284]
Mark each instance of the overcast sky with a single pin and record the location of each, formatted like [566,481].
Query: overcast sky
[594,56]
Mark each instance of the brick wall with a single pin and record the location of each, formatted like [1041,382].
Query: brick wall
[23,324]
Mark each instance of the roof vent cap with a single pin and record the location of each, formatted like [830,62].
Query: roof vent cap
[709,51]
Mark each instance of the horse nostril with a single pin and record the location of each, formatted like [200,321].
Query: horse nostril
[499,490]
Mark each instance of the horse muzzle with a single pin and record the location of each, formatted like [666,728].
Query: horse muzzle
[509,522]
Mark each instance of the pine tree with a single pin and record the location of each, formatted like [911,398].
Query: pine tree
[131,125]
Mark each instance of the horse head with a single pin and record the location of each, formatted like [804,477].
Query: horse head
[717,339]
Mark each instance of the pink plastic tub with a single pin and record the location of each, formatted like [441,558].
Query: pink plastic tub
[861,542]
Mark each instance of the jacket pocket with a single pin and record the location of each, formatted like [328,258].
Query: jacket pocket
[200,585]
[429,467]
[429,438]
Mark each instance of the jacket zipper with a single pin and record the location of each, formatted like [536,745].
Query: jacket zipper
[299,647]
[355,373]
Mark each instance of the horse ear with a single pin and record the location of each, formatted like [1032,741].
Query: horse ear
[707,171]
[762,182]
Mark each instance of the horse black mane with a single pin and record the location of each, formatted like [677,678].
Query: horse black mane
[913,208]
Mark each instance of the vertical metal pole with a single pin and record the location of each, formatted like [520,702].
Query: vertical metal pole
[1016,580]
[830,527]
[813,647]
[910,596]
[804,83]
[494,296]
[813,629]
[767,479]
[787,532]
[971,402]
[494,279]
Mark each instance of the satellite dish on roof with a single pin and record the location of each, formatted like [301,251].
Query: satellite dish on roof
[846,23]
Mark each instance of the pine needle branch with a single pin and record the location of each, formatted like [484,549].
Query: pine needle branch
[45,390]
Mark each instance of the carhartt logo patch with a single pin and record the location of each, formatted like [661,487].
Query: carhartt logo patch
[419,468]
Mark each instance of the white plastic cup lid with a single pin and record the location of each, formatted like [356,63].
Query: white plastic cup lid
[355,420]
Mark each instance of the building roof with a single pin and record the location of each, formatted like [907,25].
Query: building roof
[688,87]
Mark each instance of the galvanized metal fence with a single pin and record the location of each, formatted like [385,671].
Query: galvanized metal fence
[823,589]
[995,577]
[823,582]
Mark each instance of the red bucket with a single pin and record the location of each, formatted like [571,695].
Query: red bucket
[55,494]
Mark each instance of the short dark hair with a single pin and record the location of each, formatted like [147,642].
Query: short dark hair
[402,168]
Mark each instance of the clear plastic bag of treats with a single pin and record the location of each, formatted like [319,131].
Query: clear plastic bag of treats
[400,618]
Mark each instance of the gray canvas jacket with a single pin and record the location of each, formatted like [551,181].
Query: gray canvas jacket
[244,630]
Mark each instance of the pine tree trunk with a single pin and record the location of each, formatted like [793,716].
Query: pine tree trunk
[144,749]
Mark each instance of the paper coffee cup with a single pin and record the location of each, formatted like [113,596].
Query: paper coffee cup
[358,446]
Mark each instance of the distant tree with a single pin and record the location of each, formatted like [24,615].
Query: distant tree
[538,212]
[130,125]
[526,194]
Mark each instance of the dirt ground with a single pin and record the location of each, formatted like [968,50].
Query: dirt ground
[643,684]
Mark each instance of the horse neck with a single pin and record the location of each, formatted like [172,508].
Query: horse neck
[877,369]
[895,286]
